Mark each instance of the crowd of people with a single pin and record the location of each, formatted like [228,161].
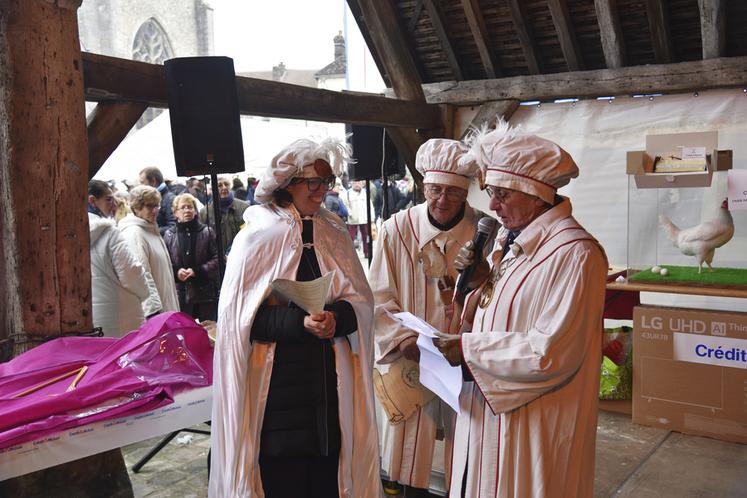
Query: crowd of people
[293,398]
[154,249]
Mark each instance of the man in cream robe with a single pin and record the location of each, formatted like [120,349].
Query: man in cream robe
[413,270]
[531,362]
[270,247]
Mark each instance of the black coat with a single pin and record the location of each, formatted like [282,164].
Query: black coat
[166,218]
[202,258]
[301,414]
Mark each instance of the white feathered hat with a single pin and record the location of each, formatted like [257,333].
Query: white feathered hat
[516,161]
[291,161]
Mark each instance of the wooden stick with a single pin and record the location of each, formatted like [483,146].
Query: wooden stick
[80,375]
[46,383]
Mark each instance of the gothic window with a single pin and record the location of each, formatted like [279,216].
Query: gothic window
[151,45]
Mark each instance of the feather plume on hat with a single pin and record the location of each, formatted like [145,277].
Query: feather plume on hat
[512,160]
[291,161]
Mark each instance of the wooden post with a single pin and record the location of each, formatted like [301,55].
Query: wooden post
[45,270]
[108,124]
[43,172]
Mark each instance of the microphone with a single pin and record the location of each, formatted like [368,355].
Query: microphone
[485,228]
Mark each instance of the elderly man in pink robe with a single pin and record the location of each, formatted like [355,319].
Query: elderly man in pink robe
[531,341]
[413,270]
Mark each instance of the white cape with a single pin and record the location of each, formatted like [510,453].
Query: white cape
[270,247]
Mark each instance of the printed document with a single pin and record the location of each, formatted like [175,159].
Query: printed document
[435,371]
[309,296]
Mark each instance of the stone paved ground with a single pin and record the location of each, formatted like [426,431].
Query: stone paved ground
[631,461]
[179,470]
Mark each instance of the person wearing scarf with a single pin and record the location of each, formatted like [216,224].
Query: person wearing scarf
[413,270]
[231,210]
[194,257]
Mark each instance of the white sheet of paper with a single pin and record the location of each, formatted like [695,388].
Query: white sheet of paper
[310,296]
[693,153]
[737,189]
[435,371]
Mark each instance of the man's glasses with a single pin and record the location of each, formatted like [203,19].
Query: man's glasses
[434,192]
[316,182]
[501,195]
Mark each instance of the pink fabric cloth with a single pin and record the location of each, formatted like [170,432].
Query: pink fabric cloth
[138,372]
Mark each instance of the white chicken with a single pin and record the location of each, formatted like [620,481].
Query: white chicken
[701,240]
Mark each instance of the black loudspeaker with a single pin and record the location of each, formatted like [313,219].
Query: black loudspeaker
[204,111]
[371,144]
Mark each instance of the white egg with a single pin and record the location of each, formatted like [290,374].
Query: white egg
[664,272]
[656,269]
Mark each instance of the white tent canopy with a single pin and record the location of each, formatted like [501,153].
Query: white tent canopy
[598,133]
[151,145]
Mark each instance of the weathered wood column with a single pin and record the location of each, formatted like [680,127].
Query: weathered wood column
[43,171]
[45,275]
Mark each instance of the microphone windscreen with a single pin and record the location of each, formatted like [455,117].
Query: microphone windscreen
[486,225]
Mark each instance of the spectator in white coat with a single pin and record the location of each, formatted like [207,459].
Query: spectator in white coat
[145,241]
[118,283]
[355,198]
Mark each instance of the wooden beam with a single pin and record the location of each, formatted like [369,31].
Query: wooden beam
[682,77]
[435,14]
[524,32]
[388,39]
[108,124]
[122,80]
[355,9]
[610,33]
[386,34]
[489,113]
[561,18]
[479,30]
[658,22]
[713,27]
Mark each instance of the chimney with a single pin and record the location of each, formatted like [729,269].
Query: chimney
[278,72]
[339,45]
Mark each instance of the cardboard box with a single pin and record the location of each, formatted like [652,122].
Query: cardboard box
[640,164]
[690,371]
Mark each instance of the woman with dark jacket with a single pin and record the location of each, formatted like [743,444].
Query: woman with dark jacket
[293,398]
[194,258]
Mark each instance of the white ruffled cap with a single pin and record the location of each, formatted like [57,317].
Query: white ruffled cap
[527,163]
[290,162]
[445,161]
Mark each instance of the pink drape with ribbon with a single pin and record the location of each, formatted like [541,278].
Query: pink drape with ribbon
[73,381]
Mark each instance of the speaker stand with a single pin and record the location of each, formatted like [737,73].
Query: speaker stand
[217,218]
[369,241]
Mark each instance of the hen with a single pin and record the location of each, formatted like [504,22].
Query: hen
[701,240]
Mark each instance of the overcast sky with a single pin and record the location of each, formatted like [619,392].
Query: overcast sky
[261,34]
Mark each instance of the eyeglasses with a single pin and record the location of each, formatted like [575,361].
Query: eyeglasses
[316,182]
[151,206]
[186,207]
[434,192]
[501,195]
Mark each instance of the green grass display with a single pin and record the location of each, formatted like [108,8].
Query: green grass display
[690,275]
